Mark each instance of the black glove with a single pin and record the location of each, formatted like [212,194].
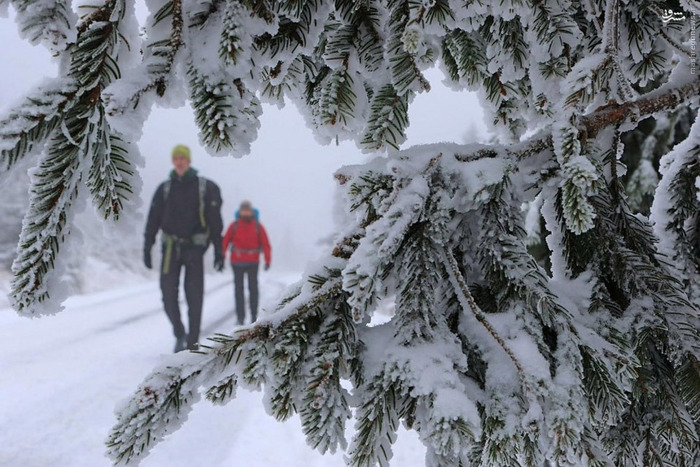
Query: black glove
[147,257]
[218,260]
[267,266]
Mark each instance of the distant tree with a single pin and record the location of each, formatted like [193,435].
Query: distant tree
[491,358]
[14,195]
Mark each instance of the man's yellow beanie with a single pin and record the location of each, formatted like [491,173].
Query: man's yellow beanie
[182,150]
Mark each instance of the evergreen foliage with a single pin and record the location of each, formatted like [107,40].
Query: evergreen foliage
[590,358]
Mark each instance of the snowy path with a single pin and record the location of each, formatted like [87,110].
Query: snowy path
[61,376]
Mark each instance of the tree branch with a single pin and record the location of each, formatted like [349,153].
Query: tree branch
[102,13]
[159,81]
[616,114]
[468,303]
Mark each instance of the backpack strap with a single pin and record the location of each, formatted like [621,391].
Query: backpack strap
[202,192]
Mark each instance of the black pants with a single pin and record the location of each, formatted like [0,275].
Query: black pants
[192,259]
[239,271]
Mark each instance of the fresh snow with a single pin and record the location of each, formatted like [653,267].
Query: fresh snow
[63,375]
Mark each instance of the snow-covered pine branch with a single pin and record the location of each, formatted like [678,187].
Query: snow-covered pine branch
[47,22]
[31,123]
[585,354]
[67,120]
[508,364]
[249,359]
[132,95]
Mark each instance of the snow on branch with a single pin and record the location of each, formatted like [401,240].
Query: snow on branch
[163,400]
[585,352]
[163,42]
[51,23]
[28,126]
[422,217]
[82,147]
[664,99]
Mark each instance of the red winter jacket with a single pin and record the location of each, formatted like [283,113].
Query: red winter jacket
[248,239]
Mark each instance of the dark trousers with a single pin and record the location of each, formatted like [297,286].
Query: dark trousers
[192,260]
[239,271]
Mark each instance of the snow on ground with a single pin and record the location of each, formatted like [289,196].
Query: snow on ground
[61,376]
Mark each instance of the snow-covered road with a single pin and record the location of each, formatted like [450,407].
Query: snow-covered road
[61,376]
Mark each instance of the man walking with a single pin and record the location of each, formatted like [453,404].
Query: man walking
[187,209]
[248,239]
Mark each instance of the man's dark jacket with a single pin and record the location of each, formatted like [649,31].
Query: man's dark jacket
[179,214]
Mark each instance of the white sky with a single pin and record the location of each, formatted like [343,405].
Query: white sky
[288,175]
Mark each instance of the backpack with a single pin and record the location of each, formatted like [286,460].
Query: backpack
[202,191]
[256,214]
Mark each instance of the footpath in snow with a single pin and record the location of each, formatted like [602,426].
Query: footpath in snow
[61,376]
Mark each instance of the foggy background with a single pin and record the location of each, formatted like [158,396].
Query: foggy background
[288,176]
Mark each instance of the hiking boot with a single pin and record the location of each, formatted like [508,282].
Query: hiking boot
[180,343]
[193,346]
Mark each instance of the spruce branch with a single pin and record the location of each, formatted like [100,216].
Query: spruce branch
[167,395]
[416,318]
[227,114]
[675,44]
[688,381]
[24,131]
[626,361]
[254,372]
[82,133]
[507,264]
[337,99]
[611,31]
[586,84]
[204,12]
[230,47]
[224,391]
[262,9]
[608,399]
[99,14]
[656,424]
[614,114]
[52,196]
[440,13]
[109,175]
[159,64]
[159,406]
[48,22]
[387,226]
[388,119]
[402,50]
[552,27]
[469,305]
[77,133]
[176,42]
[287,357]
[496,447]
[464,54]
[366,17]
[325,405]
[384,404]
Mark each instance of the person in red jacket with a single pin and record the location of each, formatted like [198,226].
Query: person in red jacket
[247,238]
